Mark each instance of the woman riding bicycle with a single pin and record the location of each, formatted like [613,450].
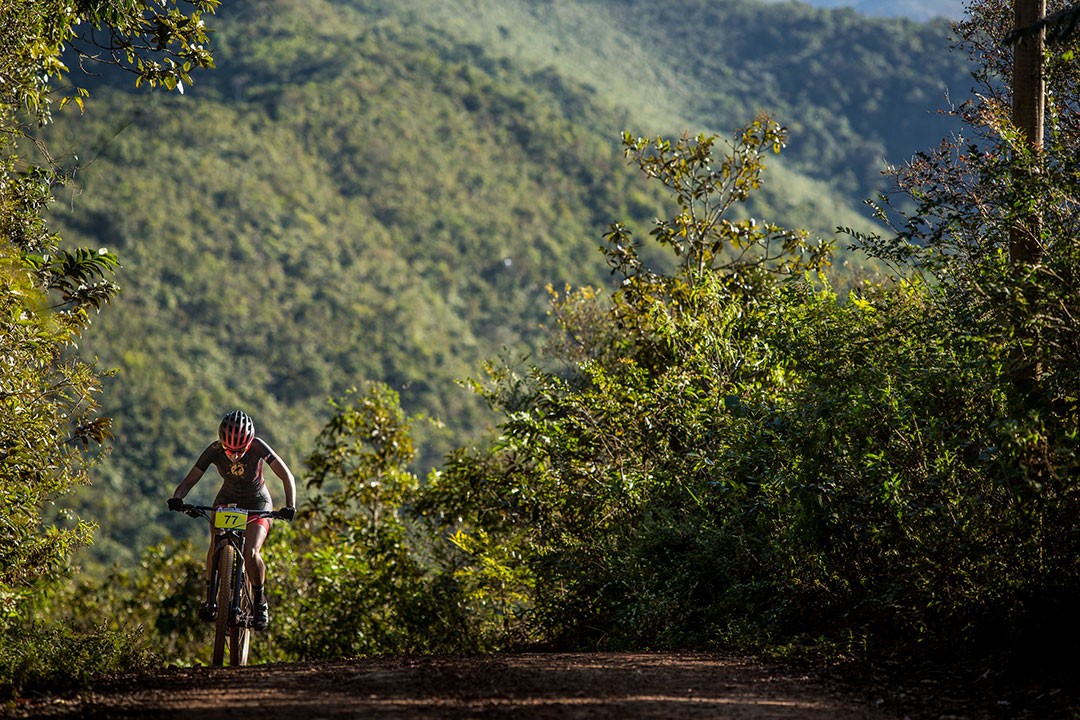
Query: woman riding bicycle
[239,457]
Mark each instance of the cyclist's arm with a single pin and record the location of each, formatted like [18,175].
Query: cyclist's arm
[288,482]
[192,477]
[194,474]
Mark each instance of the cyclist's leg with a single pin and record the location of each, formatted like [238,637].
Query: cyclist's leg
[210,555]
[254,537]
[208,610]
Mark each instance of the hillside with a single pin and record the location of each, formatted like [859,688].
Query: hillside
[382,191]
[920,10]
[854,90]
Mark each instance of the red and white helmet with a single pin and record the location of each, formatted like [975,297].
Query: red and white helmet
[236,432]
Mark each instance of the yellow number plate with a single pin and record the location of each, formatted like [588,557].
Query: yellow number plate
[230,518]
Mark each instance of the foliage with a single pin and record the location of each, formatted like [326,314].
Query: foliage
[52,433]
[702,235]
[48,404]
[362,452]
[47,415]
[159,42]
[350,578]
[706,455]
[972,197]
[704,464]
[383,191]
[53,658]
[599,473]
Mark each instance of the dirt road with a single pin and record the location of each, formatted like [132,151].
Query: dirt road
[520,686]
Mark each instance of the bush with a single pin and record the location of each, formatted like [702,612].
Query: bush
[54,658]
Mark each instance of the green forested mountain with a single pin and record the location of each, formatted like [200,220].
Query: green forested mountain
[913,9]
[854,90]
[383,190]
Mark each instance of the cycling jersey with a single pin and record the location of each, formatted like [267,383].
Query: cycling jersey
[243,478]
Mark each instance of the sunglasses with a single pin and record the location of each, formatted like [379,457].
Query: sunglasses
[235,453]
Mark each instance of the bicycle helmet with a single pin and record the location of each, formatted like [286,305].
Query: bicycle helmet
[236,432]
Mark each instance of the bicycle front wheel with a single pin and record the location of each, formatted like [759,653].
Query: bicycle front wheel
[225,560]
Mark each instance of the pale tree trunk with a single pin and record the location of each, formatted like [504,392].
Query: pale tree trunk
[1025,247]
[1027,111]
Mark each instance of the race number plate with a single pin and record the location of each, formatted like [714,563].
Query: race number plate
[230,518]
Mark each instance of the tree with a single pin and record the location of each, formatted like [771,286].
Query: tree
[715,457]
[995,217]
[1059,27]
[1028,110]
[360,462]
[996,227]
[360,577]
[50,431]
[706,234]
[595,515]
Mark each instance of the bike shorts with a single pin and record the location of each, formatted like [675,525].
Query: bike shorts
[264,521]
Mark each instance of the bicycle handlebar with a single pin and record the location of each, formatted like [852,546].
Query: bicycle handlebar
[204,511]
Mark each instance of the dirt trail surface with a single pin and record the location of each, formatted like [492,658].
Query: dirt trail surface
[519,686]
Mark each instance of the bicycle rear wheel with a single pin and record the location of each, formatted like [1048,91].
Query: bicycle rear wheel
[225,559]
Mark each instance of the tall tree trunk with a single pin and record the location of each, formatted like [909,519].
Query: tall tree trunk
[1025,247]
[1027,111]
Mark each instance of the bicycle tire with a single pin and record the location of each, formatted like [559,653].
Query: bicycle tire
[225,559]
[240,633]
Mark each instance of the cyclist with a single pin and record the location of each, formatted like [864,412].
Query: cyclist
[239,457]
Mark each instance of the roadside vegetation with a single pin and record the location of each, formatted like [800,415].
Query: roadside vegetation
[370,191]
[52,432]
[726,447]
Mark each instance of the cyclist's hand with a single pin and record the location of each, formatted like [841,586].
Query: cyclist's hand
[287,513]
[176,504]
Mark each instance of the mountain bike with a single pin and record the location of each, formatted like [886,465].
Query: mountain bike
[234,606]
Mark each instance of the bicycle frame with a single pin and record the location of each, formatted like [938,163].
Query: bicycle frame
[234,599]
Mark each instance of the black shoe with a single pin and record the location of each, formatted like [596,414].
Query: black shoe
[261,617]
[208,612]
